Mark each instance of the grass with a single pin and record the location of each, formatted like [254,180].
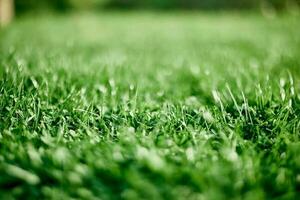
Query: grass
[150,106]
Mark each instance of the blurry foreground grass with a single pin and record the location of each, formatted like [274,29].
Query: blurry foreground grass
[150,106]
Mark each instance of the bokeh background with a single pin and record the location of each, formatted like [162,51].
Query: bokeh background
[67,5]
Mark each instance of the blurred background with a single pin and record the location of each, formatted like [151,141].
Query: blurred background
[22,6]
[11,8]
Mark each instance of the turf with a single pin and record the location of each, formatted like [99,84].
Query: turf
[150,106]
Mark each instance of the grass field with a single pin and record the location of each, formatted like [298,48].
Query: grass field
[150,106]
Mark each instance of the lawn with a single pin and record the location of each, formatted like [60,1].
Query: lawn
[144,105]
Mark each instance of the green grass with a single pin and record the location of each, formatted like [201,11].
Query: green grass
[150,106]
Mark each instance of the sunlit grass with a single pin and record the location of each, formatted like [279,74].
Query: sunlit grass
[150,106]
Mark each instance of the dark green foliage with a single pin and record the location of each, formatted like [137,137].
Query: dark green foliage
[64,5]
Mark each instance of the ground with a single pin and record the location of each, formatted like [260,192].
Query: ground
[150,106]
